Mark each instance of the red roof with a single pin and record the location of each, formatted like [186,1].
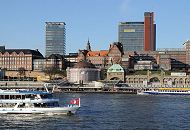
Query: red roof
[97,53]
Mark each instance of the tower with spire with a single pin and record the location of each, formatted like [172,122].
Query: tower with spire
[88,47]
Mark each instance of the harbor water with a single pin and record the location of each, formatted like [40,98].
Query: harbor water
[110,111]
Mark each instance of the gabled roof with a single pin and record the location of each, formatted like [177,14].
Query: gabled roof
[25,51]
[97,53]
[118,45]
[84,52]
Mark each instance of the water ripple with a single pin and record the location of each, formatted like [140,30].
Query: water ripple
[110,111]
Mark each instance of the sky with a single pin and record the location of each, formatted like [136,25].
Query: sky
[22,22]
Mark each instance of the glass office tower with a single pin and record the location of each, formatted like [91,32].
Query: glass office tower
[131,35]
[55,38]
[138,36]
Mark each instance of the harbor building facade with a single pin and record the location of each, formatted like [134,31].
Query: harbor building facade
[13,59]
[103,58]
[164,58]
[71,59]
[53,61]
[55,38]
[83,72]
[138,36]
[115,72]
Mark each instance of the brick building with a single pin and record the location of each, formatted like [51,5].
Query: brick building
[82,55]
[13,59]
[71,59]
[103,58]
[115,53]
[98,58]
[53,61]
[166,58]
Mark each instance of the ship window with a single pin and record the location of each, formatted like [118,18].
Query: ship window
[46,96]
[11,96]
[36,105]
[23,96]
[6,96]
[18,96]
[21,105]
[55,104]
[1,96]
[44,105]
[40,104]
[30,96]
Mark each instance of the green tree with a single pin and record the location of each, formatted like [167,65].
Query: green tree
[51,72]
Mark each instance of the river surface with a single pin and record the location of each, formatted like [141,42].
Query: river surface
[110,111]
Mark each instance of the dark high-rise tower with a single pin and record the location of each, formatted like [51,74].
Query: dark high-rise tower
[131,35]
[55,38]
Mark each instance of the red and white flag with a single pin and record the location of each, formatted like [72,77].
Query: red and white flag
[75,102]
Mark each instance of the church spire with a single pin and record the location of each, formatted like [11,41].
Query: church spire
[88,47]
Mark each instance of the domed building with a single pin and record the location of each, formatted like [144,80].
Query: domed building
[116,72]
[83,72]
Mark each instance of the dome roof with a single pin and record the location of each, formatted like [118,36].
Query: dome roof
[84,64]
[115,68]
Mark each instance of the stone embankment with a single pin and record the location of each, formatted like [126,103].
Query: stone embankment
[107,88]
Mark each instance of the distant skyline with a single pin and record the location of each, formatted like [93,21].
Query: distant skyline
[22,23]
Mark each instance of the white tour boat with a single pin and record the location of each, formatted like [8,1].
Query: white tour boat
[165,91]
[39,102]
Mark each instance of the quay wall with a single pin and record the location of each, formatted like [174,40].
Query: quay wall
[158,80]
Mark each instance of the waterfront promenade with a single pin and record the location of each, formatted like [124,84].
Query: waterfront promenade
[130,88]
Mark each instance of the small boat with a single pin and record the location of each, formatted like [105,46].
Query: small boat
[37,102]
[165,91]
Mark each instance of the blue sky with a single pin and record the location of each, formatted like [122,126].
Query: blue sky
[22,22]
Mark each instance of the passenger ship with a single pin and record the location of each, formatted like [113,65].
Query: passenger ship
[165,91]
[39,102]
